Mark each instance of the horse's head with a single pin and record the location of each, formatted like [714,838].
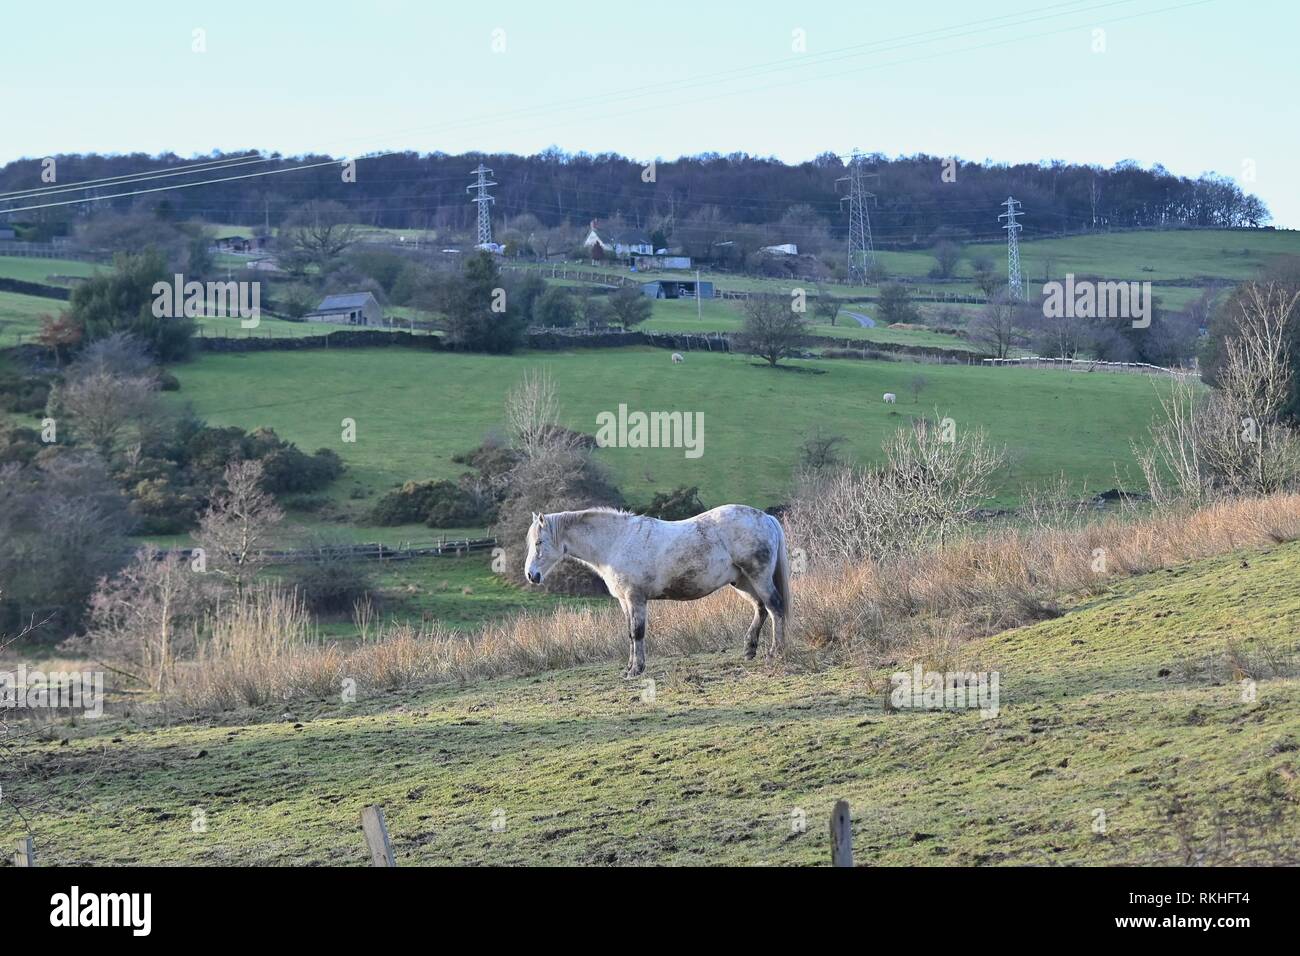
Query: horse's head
[543,551]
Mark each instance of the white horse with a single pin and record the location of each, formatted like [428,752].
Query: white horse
[643,559]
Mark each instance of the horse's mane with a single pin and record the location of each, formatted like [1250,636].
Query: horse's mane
[564,520]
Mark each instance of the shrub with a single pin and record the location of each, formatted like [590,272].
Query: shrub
[926,488]
[23,394]
[329,583]
[439,504]
[555,308]
[676,505]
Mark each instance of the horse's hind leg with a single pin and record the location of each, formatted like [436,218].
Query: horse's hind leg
[760,617]
[772,605]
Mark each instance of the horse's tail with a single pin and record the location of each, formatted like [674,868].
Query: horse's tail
[781,574]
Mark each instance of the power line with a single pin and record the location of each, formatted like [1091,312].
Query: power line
[132,177]
[773,67]
[657,90]
[162,189]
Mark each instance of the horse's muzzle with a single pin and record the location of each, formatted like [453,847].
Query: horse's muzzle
[533,576]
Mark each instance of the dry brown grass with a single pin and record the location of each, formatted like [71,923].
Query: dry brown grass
[927,604]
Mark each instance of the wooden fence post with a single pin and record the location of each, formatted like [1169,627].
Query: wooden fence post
[372,825]
[26,855]
[841,835]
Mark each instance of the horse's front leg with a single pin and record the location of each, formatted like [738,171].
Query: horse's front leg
[636,619]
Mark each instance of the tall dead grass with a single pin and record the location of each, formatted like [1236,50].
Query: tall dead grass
[263,650]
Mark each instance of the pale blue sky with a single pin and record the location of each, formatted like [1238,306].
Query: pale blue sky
[1196,86]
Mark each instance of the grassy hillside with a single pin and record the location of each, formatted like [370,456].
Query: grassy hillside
[45,271]
[20,316]
[1127,707]
[415,409]
[680,315]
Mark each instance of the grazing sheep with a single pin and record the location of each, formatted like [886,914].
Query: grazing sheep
[890,398]
[678,357]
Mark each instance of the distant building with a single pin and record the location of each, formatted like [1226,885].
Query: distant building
[628,242]
[240,244]
[352,308]
[7,234]
[234,244]
[677,289]
[660,261]
[785,249]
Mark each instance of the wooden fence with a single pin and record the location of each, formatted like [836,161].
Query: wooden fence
[367,552]
[1087,365]
[375,831]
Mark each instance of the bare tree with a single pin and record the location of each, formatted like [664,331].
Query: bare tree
[555,471]
[320,231]
[986,275]
[139,618]
[772,329]
[102,405]
[918,384]
[239,524]
[820,451]
[825,306]
[1232,441]
[999,327]
[946,256]
[931,480]
[533,416]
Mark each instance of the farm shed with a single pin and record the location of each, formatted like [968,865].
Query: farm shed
[234,244]
[657,261]
[676,289]
[353,308]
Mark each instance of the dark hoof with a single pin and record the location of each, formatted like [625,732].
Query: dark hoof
[751,653]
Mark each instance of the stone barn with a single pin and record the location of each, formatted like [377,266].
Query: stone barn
[350,308]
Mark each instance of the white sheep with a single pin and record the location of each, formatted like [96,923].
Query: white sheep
[678,358]
[890,398]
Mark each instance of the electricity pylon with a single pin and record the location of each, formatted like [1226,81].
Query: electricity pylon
[1015,288]
[861,254]
[484,203]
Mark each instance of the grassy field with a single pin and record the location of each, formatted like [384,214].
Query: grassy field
[715,315]
[457,592]
[1123,736]
[1175,254]
[415,409]
[20,316]
[45,271]
[1141,254]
